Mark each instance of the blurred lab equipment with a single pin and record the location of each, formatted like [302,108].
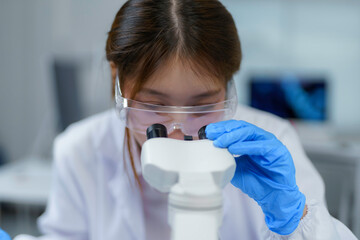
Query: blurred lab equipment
[2,156]
[290,96]
[66,82]
[25,184]
[193,172]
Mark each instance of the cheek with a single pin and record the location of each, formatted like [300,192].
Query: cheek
[139,138]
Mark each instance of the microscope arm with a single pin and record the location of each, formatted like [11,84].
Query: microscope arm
[195,207]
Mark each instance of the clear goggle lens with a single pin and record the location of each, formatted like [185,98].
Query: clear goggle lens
[138,116]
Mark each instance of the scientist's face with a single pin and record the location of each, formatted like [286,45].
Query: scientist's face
[176,84]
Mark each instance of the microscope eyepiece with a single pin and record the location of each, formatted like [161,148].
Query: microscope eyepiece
[156,130]
[201,133]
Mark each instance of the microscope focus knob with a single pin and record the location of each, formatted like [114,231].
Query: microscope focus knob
[201,133]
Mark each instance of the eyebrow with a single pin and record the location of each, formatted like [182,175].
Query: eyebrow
[164,95]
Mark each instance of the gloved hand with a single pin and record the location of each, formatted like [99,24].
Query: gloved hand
[264,170]
[4,235]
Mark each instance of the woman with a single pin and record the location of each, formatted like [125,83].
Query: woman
[166,55]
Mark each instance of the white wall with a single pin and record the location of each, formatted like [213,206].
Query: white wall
[311,36]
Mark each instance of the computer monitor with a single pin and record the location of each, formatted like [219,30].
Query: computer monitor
[290,96]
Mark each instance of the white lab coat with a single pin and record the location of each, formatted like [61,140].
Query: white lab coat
[94,195]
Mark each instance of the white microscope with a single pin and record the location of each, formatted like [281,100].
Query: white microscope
[194,173]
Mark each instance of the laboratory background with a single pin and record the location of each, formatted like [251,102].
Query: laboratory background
[301,61]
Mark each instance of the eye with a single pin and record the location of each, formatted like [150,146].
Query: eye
[150,101]
[200,114]
[151,106]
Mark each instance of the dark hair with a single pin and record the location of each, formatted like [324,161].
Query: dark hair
[146,34]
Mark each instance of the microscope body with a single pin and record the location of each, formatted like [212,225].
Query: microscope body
[194,173]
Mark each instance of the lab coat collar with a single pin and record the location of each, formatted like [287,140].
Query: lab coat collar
[121,183]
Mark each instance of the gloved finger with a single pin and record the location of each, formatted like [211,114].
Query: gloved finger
[4,235]
[248,133]
[214,130]
[258,148]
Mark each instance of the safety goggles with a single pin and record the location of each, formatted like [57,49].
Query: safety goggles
[138,116]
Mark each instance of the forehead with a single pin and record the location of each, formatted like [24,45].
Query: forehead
[176,76]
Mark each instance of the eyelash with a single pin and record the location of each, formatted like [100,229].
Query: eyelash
[161,104]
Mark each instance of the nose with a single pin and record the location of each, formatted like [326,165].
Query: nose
[178,117]
[177,134]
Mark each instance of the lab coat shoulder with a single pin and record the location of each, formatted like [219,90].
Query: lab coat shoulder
[85,145]
[84,135]
[81,144]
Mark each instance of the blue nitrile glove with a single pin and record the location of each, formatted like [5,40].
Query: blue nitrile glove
[4,235]
[264,170]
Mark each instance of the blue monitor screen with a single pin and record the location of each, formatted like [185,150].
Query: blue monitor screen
[290,96]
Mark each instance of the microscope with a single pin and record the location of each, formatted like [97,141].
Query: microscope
[193,172]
